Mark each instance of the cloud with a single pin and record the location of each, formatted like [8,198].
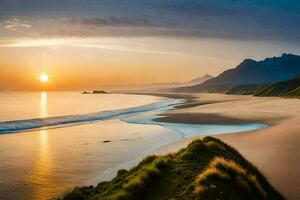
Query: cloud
[225,19]
[14,24]
[107,44]
[112,21]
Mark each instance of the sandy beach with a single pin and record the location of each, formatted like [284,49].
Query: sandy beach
[274,150]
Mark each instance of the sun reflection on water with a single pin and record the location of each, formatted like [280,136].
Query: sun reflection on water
[43,104]
[41,176]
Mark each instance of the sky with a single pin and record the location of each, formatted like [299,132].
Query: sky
[92,44]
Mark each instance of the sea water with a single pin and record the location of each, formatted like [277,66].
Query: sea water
[53,141]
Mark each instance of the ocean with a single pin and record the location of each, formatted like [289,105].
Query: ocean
[51,142]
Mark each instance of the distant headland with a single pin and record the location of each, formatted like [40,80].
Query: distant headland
[95,92]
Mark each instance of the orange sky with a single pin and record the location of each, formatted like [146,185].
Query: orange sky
[95,63]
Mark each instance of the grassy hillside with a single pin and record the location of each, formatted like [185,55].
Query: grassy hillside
[207,169]
[290,89]
[246,89]
[293,93]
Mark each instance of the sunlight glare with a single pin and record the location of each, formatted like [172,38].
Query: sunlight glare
[44,78]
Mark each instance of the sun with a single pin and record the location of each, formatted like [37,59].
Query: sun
[44,78]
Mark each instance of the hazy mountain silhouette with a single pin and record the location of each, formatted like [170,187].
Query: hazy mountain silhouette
[167,87]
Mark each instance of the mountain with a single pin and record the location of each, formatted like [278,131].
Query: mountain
[166,87]
[192,82]
[267,71]
[196,81]
[207,169]
[290,88]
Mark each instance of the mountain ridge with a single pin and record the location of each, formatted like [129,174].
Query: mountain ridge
[249,71]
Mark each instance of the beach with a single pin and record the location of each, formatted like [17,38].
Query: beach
[274,150]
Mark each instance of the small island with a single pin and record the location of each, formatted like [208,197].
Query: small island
[95,92]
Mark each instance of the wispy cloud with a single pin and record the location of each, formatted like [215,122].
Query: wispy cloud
[110,21]
[106,44]
[14,24]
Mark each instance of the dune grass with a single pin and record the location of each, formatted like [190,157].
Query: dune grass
[223,170]
[206,169]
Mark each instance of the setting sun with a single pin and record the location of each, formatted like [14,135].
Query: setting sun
[44,78]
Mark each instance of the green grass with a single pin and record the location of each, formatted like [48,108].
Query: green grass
[220,171]
[287,89]
[207,169]
[246,89]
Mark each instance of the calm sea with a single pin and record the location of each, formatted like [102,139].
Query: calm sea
[53,141]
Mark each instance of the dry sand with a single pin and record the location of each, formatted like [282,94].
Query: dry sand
[274,150]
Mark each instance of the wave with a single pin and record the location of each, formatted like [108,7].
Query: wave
[69,120]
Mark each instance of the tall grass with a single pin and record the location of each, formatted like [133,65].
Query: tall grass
[221,168]
[150,169]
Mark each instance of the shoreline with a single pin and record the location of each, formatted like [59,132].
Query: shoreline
[210,108]
[111,172]
[72,119]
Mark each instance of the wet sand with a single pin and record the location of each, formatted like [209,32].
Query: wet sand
[274,150]
[201,118]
